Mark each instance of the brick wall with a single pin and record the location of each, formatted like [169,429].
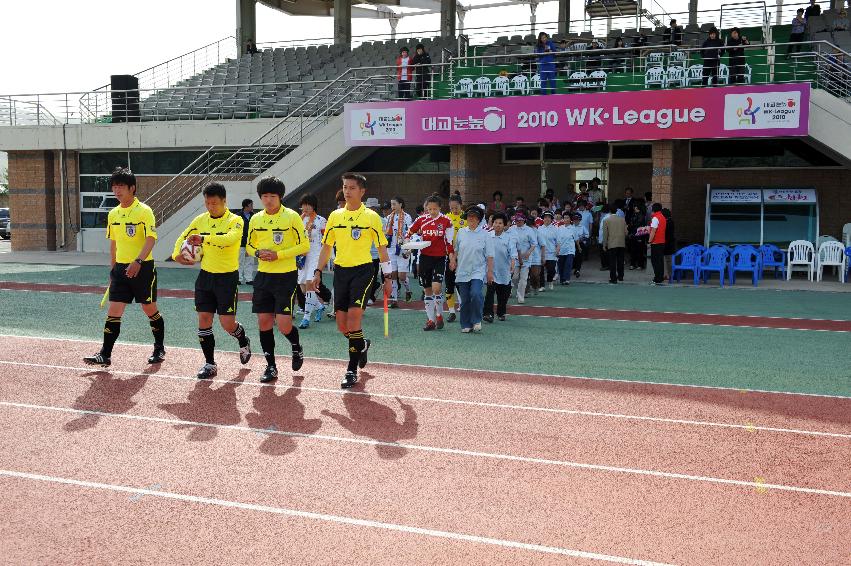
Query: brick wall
[635,175]
[477,171]
[32,200]
[413,187]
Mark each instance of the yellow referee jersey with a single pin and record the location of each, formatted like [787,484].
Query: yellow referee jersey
[354,232]
[129,228]
[457,224]
[282,232]
[222,237]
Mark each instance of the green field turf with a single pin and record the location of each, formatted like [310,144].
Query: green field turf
[777,360]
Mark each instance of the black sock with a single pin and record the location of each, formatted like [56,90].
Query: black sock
[208,344]
[111,330]
[293,338]
[356,346]
[267,343]
[157,328]
[239,334]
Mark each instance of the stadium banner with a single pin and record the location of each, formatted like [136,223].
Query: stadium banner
[723,112]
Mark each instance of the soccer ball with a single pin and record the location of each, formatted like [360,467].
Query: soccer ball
[189,252]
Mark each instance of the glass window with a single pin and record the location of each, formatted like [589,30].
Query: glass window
[787,222]
[89,219]
[734,224]
[632,151]
[576,151]
[94,185]
[522,153]
[161,162]
[728,154]
[406,160]
[102,163]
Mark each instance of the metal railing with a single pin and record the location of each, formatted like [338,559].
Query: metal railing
[16,111]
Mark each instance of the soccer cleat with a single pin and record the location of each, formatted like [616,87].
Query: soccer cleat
[305,323]
[393,305]
[271,374]
[245,352]
[488,318]
[429,325]
[577,274]
[350,380]
[450,318]
[501,318]
[408,296]
[98,360]
[157,356]
[362,360]
[298,358]
[319,312]
[439,323]
[370,302]
[209,371]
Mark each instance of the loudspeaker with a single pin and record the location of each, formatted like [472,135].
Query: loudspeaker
[125,98]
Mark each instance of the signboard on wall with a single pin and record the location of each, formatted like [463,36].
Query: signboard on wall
[735,196]
[790,196]
[728,112]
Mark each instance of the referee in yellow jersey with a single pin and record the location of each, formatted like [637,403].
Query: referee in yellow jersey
[132,230]
[219,233]
[353,229]
[275,237]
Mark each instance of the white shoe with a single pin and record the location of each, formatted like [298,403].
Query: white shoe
[551,287]
[477,327]
[520,301]
[465,330]
[541,290]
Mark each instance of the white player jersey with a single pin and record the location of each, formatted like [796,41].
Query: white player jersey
[315,229]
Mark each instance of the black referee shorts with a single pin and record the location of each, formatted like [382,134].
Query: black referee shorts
[352,286]
[431,270]
[142,288]
[216,292]
[274,293]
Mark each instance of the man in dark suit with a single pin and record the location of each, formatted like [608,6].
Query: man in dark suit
[247,264]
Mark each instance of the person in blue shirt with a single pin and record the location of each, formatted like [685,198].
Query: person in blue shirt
[566,237]
[474,253]
[547,239]
[526,241]
[504,257]
[546,63]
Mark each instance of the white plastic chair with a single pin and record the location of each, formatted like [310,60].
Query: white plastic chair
[597,80]
[482,86]
[464,87]
[520,84]
[655,60]
[723,75]
[577,80]
[748,73]
[676,76]
[846,234]
[578,47]
[677,59]
[536,83]
[801,253]
[654,76]
[694,75]
[831,254]
[501,85]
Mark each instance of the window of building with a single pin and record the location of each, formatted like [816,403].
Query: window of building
[749,154]
[406,160]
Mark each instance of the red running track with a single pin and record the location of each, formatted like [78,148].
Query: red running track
[494,468]
[779,323]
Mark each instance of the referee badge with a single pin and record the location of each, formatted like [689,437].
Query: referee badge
[277,237]
[355,233]
[130,229]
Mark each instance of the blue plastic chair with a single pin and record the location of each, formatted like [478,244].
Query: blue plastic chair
[847,263]
[714,259]
[769,254]
[745,258]
[686,259]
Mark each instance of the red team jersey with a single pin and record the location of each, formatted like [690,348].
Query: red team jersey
[438,231]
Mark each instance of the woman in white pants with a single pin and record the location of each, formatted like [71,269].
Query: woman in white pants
[314,227]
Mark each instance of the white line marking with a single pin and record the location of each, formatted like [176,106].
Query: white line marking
[749,426]
[334,519]
[441,450]
[474,370]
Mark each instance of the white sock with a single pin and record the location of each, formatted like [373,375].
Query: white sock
[309,303]
[438,305]
[405,283]
[394,291]
[429,307]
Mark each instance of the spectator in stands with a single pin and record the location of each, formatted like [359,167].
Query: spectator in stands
[799,30]
[422,71]
[840,22]
[617,60]
[404,74]
[670,241]
[640,46]
[736,50]
[674,34]
[711,52]
[812,10]
[251,48]
[497,205]
[657,244]
[546,63]
[614,243]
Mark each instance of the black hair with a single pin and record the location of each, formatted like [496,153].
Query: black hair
[800,11]
[628,188]
[521,199]
[656,207]
[497,193]
[455,198]
[386,205]
[339,196]
[648,195]
[246,202]
[360,179]
[310,200]
[271,186]
[122,176]
[583,184]
[404,50]
[475,211]
[420,46]
[419,209]
[613,208]
[215,189]
[400,200]
[713,30]
[666,213]
[435,198]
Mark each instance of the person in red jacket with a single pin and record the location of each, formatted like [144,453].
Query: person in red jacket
[658,228]
[437,229]
[404,73]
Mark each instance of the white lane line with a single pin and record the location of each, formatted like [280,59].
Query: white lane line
[660,384]
[334,519]
[441,450]
[749,426]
